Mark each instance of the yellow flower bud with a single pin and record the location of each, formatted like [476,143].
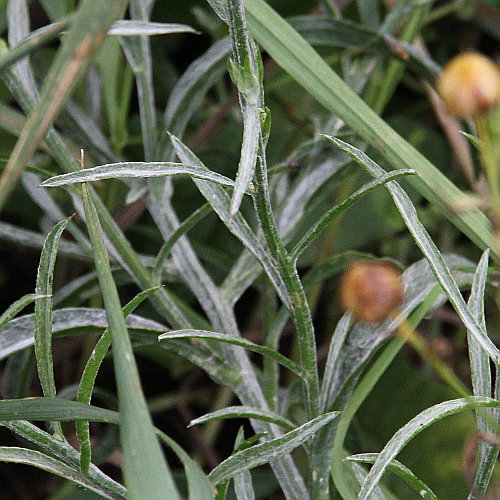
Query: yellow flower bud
[469,85]
[371,290]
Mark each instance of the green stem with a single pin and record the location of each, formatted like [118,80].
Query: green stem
[299,312]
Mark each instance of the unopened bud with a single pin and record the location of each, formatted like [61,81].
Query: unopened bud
[469,85]
[371,290]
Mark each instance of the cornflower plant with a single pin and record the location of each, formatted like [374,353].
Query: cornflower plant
[217,299]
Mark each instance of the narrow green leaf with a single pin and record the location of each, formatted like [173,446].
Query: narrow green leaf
[135,170]
[401,470]
[145,469]
[87,31]
[244,412]
[43,314]
[55,409]
[428,248]
[89,375]
[44,462]
[299,59]
[183,228]
[415,426]
[17,307]
[265,452]
[317,228]
[65,453]
[232,339]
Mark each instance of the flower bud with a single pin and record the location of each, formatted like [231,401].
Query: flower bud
[469,85]
[371,290]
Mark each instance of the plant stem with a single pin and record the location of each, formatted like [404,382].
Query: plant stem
[299,311]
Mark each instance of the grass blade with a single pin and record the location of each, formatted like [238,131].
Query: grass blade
[55,409]
[17,307]
[43,315]
[44,462]
[264,452]
[325,219]
[89,375]
[63,452]
[88,29]
[299,59]
[415,426]
[401,470]
[145,469]
[244,412]
[232,339]
[428,248]
[135,170]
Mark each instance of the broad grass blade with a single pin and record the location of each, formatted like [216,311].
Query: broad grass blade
[145,470]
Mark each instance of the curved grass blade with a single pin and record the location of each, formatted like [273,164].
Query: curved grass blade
[303,63]
[17,307]
[33,42]
[49,464]
[244,412]
[412,428]
[428,248]
[55,409]
[399,469]
[264,452]
[183,228]
[87,31]
[89,375]
[199,486]
[145,470]
[63,452]
[43,315]
[231,339]
[136,170]
[325,219]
